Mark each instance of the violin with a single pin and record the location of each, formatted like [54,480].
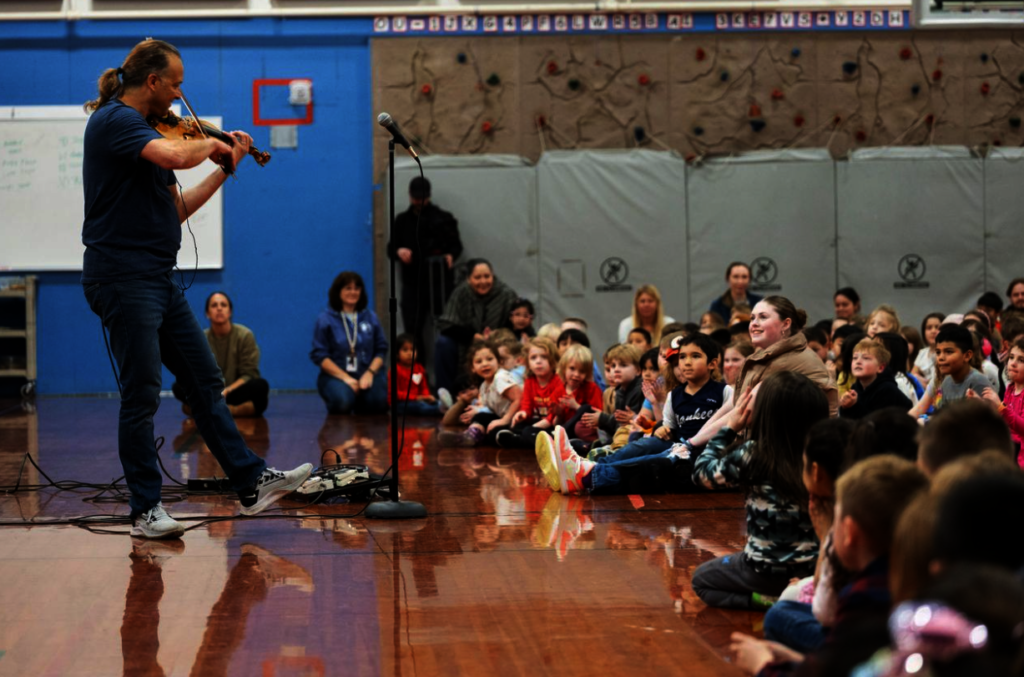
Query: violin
[171,126]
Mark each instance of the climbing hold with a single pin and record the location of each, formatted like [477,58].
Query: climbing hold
[700,54]
[690,157]
[461,57]
[996,142]
[1020,78]
[1015,122]
[905,54]
[836,119]
[574,84]
[494,80]
[698,131]
[915,89]
[929,119]
[644,79]
[798,121]
[487,127]
[724,76]
[757,124]
[936,75]
[639,134]
[755,111]
[984,57]
[985,88]
[777,95]
[861,136]
[552,67]
[849,67]
[795,52]
[426,90]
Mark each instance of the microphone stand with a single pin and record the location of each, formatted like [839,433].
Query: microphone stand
[394,508]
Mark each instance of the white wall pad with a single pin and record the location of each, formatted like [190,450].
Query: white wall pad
[1004,212]
[611,221]
[911,229]
[775,211]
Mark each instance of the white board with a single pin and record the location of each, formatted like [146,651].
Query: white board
[41,199]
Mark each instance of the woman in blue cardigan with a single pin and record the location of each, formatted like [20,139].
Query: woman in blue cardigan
[349,347]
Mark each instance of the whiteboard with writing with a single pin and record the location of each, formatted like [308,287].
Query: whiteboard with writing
[41,199]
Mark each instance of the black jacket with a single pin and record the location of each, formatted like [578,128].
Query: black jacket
[881,394]
[438,235]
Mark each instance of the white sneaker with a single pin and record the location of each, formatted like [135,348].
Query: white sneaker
[156,523]
[445,399]
[273,485]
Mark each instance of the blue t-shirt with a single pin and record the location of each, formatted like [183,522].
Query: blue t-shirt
[131,228]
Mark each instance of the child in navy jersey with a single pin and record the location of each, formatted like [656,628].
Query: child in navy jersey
[648,463]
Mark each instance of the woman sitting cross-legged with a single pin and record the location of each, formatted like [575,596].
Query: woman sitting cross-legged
[349,347]
[234,347]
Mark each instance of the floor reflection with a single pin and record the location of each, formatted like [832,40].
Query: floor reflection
[257,571]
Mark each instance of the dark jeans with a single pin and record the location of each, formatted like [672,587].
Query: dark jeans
[255,390]
[729,581]
[645,446]
[654,474]
[150,322]
[794,624]
[340,399]
[417,408]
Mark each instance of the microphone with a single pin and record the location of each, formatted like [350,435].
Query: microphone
[385,121]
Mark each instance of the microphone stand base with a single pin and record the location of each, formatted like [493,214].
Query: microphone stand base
[395,510]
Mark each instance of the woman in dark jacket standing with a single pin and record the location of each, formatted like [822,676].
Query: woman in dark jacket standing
[478,305]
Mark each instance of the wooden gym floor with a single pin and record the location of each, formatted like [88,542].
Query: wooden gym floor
[502,578]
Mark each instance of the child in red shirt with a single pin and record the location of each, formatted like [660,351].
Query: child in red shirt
[414,398]
[543,390]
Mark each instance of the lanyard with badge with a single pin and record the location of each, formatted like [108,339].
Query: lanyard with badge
[351,362]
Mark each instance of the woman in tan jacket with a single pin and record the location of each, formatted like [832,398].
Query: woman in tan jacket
[778,346]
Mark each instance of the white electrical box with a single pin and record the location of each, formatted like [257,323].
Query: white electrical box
[300,92]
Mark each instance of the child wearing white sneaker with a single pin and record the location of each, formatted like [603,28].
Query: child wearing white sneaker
[497,392]
[542,391]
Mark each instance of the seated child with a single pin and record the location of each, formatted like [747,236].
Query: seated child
[694,398]
[870,498]
[496,391]
[781,543]
[576,367]
[962,429]
[640,339]
[520,320]
[542,391]
[512,357]
[414,398]
[876,387]
[1012,406]
[573,335]
[954,348]
[653,386]
[882,318]
[807,607]
[736,354]
[629,397]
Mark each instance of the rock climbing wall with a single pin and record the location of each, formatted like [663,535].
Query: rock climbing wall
[704,93]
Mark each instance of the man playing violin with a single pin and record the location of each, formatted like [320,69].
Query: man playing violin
[132,233]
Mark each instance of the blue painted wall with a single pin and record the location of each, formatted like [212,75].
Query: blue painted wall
[288,227]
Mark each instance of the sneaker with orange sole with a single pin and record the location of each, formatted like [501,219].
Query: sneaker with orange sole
[571,472]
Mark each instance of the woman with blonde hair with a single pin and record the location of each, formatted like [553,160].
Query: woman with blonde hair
[648,314]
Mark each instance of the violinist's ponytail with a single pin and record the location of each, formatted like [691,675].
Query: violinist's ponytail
[149,56]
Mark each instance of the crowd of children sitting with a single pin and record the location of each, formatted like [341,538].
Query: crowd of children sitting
[871,537]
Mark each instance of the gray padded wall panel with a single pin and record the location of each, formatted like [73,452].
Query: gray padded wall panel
[494,199]
[1004,214]
[911,229]
[599,205]
[773,210]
